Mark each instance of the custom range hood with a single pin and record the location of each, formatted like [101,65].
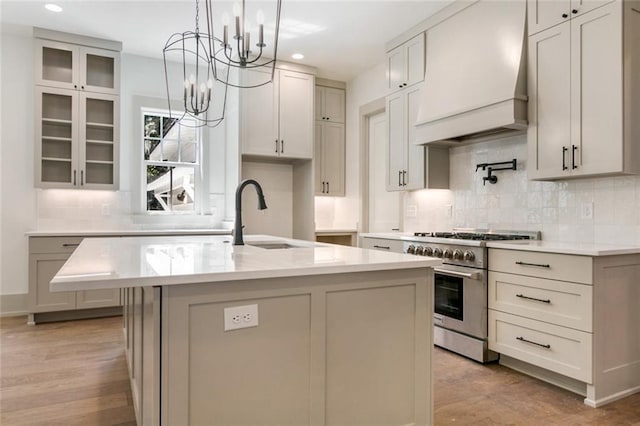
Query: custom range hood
[475,84]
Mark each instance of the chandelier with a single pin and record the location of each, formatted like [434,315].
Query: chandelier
[192,50]
[235,52]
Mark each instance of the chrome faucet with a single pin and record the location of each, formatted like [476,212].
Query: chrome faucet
[262,205]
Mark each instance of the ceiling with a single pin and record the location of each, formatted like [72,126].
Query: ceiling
[342,38]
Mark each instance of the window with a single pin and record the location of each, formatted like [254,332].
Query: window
[172,152]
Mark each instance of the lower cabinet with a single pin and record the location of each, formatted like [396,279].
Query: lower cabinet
[46,257]
[383,244]
[567,319]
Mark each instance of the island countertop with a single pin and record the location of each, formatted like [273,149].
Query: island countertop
[172,260]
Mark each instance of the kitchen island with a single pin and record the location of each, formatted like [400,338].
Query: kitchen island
[274,332]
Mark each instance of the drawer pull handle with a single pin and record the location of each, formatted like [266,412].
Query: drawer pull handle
[539,265]
[522,296]
[522,339]
[70,245]
[383,247]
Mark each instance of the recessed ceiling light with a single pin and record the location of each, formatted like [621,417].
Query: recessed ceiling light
[297,56]
[53,7]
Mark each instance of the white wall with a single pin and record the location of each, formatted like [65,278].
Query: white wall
[345,212]
[25,208]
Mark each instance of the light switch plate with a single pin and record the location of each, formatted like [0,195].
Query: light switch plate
[586,211]
[412,210]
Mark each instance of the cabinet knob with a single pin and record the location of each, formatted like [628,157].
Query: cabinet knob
[75,86]
[400,86]
[82,87]
[564,15]
[574,11]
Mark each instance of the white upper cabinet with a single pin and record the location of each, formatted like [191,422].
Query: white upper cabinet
[277,119]
[330,104]
[543,14]
[405,64]
[329,159]
[71,66]
[583,105]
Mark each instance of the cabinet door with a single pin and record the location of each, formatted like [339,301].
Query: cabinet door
[98,134]
[596,90]
[56,131]
[549,103]
[584,6]
[334,105]
[414,58]
[397,140]
[296,114]
[395,69]
[414,154]
[99,70]
[543,14]
[57,64]
[259,116]
[319,102]
[98,298]
[333,156]
[42,269]
[319,182]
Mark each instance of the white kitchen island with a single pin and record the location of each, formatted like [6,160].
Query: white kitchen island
[343,334]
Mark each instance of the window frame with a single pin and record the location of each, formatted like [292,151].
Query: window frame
[197,166]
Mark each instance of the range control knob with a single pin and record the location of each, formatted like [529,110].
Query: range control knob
[419,250]
[411,249]
[447,254]
[437,252]
[457,254]
[428,251]
[469,256]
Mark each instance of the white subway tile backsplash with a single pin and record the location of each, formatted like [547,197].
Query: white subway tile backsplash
[555,207]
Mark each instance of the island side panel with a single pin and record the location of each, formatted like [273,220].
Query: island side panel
[290,368]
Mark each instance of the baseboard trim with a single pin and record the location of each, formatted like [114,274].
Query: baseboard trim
[610,398]
[564,382]
[111,311]
[13,305]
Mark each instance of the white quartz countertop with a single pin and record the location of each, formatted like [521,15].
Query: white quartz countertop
[100,263]
[128,232]
[581,249]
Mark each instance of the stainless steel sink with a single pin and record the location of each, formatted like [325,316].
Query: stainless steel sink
[273,245]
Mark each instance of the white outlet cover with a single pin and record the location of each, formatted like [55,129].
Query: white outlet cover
[586,211]
[240,317]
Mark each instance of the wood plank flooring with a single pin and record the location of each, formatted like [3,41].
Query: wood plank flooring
[75,373]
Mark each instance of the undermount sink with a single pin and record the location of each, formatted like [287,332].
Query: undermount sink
[273,245]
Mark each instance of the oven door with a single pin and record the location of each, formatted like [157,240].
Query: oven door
[460,300]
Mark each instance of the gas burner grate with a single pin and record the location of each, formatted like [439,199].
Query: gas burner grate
[476,236]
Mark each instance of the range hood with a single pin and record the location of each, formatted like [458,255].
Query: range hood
[475,83]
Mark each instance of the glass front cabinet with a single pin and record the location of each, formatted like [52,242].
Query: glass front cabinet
[77,116]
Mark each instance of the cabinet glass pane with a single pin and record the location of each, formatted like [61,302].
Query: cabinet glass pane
[99,133]
[99,111]
[170,188]
[56,107]
[56,171]
[56,148]
[99,151]
[100,71]
[99,173]
[57,65]
[56,130]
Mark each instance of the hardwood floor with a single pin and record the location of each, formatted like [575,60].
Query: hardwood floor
[75,373]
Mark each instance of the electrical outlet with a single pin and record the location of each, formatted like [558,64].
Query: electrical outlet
[586,211]
[412,210]
[449,210]
[106,210]
[240,317]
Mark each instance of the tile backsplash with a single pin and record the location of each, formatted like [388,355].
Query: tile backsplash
[601,210]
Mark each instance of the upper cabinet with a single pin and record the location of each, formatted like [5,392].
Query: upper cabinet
[77,113]
[70,66]
[411,166]
[276,119]
[330,104]
[583,95]
[543,14]
[329,157]
[405,64]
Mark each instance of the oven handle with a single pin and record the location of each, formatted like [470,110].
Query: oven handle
[469,275]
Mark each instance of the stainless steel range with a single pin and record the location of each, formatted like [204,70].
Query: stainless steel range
[461,286]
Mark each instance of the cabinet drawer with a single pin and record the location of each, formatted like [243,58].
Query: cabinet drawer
[559,349]
[53,244]
[394,246]
[564,267]
[555,302]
